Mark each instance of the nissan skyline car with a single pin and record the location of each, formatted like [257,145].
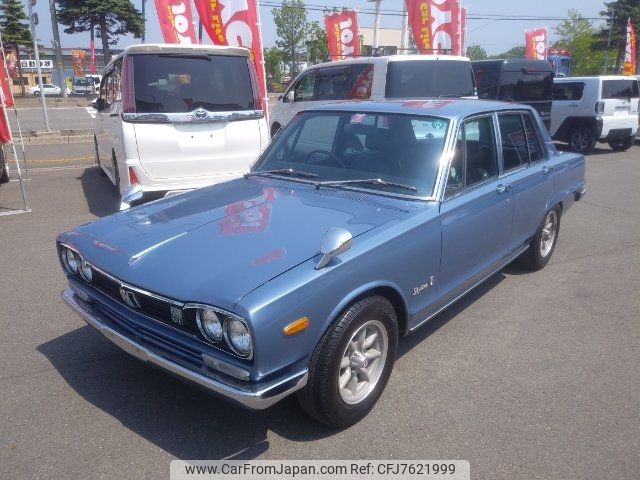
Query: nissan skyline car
[359,223]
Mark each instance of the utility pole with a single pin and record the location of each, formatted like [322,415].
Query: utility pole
[404,36]
[144,21]
[35,49]
[606,57]
[56,46]
[376,26]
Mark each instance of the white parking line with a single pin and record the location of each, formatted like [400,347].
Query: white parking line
[92,112]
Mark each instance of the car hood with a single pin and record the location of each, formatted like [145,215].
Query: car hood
[217,244]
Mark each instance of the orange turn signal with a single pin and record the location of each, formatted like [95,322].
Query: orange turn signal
[297,326]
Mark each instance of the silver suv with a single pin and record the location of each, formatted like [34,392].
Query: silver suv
[587,110]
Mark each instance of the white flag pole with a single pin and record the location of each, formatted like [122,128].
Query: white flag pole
[262,63]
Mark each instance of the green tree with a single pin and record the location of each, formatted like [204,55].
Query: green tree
[14,24]
[622,10]
[576,34]
[113,18]
[292,28]
[476,52]
[273,68]
[317,50]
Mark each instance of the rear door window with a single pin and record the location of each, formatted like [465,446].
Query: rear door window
[434,78]
[514,141]
[619,89]
[568,91]
[345,82]
[522,87]
[180,83]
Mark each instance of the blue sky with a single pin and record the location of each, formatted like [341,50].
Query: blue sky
[494,36]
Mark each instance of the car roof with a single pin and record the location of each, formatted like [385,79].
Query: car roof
[593,78]
[389,58]
[439,107]
[540,65]
[158,48]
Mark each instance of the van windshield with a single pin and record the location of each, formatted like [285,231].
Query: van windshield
[430,78]
[180,83]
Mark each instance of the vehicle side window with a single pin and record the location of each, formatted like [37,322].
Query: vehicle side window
[568,91]
[533,139]
[117,73]
[305,88]
[105,88]
[475,160]
[514,141]
[333,83]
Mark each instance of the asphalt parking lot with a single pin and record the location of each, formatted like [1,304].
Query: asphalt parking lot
[531,376]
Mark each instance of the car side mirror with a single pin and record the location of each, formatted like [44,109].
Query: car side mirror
[101,104]
[336,241]
[291,96]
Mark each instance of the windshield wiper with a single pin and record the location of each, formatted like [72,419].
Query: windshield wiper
[290,172]
[366,181]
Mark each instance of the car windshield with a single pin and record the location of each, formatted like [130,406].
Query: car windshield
[391,153]
[180,83]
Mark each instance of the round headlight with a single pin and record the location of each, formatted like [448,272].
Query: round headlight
[70,260]
[85,272]
[210,324]
[238,336]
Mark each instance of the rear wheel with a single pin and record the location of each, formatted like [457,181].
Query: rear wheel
[621,144]
[582,140]
[544,241]
[4,167]
[352,363]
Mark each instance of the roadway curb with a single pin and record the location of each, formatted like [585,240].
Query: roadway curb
[54,140]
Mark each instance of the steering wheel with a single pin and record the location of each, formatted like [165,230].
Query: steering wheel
[328,154]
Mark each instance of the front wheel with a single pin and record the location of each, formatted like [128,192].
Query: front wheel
[544,241]
[621,144]
[582,140]
[352,363]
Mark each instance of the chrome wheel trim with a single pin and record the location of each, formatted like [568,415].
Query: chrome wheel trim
[580,140]
[549,231]
[363,362]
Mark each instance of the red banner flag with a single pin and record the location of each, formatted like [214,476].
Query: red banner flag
[235,23]
[5,83]
[435,25]
[463,30]
[176,21]
[631,51]
[78,62]
[343,40]
[92,57]
[535,42]
[12,62]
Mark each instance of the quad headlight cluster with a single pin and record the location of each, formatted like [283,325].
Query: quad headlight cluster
[74,264]
[215,326]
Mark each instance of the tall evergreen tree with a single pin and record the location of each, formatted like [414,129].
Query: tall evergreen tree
[14,26]
[622,11]
[113,18]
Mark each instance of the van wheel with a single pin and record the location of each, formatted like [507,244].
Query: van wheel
[621,144]
[544,241]
[275,128]
[582,140]
[352,363]
[4,167]
[115,172]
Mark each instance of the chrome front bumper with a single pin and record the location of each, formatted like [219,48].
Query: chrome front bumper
[255,399]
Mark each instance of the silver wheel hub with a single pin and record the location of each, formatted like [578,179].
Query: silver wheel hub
[363,362]
[549,230]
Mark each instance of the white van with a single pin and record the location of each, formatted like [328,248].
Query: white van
[177,117]
[586,110]
[375,78]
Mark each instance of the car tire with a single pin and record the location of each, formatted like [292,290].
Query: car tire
[275,128]
[115,172]
[4,167]
[582,140]
[337,393]
[543,242]
[621,144]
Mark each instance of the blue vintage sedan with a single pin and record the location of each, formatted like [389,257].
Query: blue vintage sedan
[358,224]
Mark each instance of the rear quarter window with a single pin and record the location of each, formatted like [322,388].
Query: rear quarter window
[431,78]
[568,91]
[612,89]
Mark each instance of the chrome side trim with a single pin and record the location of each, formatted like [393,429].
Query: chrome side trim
[509,259]
[257,399]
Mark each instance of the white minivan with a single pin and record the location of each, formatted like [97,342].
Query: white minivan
[375,78]
[172,118]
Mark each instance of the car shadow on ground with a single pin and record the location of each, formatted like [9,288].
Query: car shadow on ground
[102,198]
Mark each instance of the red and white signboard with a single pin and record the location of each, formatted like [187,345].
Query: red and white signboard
[631,51]
[435,25]
[6,100]
[235,23]
[176,21]
[535,42]
[343,40]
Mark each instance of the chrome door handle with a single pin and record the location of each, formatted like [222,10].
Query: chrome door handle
[503,188]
